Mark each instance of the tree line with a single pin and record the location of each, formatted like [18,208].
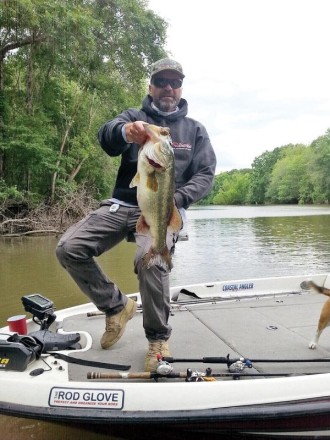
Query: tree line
[291,174]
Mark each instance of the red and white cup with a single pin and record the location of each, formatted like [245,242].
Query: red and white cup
[17,324]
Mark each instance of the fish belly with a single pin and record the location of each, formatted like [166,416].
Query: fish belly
[156,208]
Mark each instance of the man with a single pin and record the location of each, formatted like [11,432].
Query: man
[116,219]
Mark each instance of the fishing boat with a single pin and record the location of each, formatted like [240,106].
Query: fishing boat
[240,363]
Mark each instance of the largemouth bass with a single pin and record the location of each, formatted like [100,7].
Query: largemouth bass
[155,182]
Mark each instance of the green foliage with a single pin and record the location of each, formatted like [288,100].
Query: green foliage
[28,153]
[262,167]
[233,188]
[9,193]
[290,182]
[320,169]
[66,68]
[288,174]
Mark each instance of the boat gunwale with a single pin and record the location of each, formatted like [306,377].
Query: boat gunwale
[284,410]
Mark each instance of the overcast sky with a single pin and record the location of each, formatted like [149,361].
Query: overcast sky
[257,71]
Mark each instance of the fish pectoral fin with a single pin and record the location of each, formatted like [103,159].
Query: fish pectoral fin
[175,222]
[152,182]
[142,226]
[135,181]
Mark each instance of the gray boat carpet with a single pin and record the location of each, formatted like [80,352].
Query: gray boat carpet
[277,327]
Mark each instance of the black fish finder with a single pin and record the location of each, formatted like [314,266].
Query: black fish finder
[41,309]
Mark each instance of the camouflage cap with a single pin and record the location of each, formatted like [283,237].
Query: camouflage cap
[166,64]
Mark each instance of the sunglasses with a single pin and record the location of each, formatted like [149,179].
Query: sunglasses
[163,82]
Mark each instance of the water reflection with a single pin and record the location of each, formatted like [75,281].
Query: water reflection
[231,248]
[29,265]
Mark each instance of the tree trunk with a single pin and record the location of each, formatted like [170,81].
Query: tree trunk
[76,170]
[58,162]
[29,82]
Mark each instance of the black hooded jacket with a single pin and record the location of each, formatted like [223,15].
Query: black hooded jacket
[195,159]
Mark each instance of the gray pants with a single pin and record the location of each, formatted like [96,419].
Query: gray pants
[100,231]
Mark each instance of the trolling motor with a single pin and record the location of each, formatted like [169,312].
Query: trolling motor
[17,351]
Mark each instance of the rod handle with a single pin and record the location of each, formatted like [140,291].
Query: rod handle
[217,360]
[138,375]
[89,314]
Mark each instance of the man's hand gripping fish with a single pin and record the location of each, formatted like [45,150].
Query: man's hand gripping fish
[155,181]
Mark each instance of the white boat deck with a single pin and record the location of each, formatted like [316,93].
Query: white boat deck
[272,327]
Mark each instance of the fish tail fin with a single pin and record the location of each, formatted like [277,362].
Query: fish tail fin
[161,258]
[319,289]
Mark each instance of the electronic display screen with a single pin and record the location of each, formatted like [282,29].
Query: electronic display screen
[37,301]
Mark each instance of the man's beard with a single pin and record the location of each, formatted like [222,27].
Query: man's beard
[166,103]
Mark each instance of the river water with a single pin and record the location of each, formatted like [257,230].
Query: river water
[225,243]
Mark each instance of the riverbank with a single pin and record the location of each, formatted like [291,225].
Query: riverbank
[40,221]
[45,219]
[55,219]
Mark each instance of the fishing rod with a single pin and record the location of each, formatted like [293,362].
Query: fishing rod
[174,305]
[229,361]
[189,376]
[165,370]
[177,305]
